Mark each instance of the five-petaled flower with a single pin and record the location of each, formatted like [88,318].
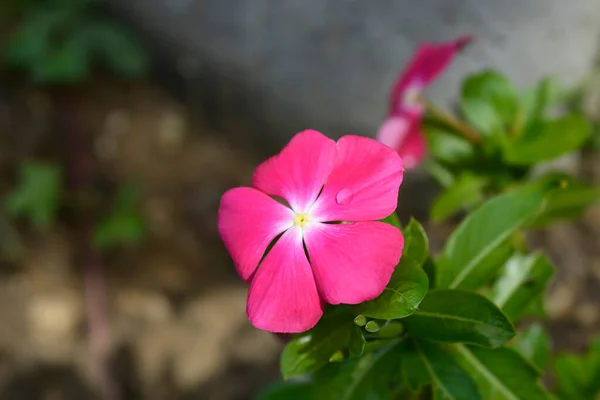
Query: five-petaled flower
[402,128]
[318,203]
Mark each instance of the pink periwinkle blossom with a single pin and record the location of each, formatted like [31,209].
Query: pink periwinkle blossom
[307,232]
[402,128]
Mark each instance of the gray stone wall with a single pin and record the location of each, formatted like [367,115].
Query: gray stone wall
[328,64]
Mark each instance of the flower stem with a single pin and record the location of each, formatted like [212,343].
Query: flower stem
[449,120]
[81,176]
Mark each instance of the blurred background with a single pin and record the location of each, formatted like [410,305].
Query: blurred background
[123,122]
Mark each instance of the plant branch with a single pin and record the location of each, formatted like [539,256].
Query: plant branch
[80,177]
[449,120]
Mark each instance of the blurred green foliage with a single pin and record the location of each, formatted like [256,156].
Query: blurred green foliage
[514,134]
[37,195]
[124,224]
[578,376]
[63,41]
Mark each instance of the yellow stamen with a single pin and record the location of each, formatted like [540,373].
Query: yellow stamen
[301,219]
[412,97]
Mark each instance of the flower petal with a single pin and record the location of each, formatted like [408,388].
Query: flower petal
[248,222]
[353,262]
[393,131]
[363,185]
[430,60]
[298,173]
[283,294]
[404,135]
[414,148]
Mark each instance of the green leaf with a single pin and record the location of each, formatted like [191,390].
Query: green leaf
[311,350]
[65,63]
[578,377]
[534,345]
[402,296]
[536,101]
[416,243]
[373,376]
[524,279]
[537,308]
[389,330]
[464,193]
[438,172]
[357,342]
[501,374]
[37,194]
[482,116]
[120,51]
[393,220]
[287,391]
[571,202]
[123,225]
[430,269]
[548,140]
[30,42]
[496,90]
[449,380]
[414,370]
[446,147]
[478,246]
[458,316]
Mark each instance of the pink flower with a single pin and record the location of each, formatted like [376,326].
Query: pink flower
[402,129]
[328,245]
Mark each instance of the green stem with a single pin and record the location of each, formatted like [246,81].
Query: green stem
[449,120]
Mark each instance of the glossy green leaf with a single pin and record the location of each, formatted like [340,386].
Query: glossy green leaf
[402,296]
[534,345]
[311,350]
[501,374]
[416,243]
[37,194]
[458,316]
[480,240]
[578,376]
[548,140]
[524,278]
[449,380]
[464,193]
[372,376]
[287,391]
